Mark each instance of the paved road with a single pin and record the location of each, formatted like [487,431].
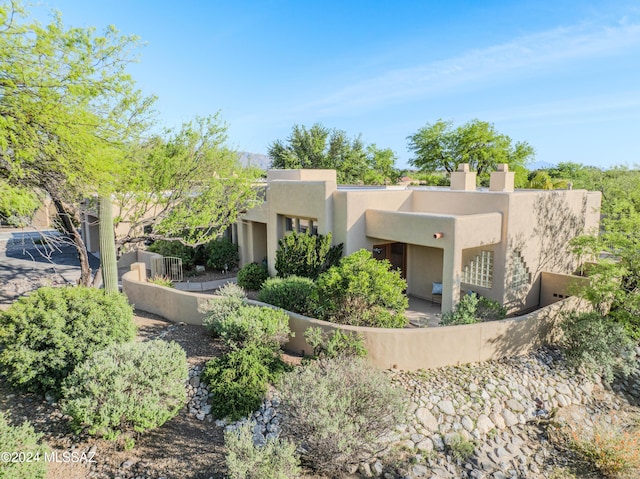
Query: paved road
[25,258]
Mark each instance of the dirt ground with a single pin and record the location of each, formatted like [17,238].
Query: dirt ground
[184,447]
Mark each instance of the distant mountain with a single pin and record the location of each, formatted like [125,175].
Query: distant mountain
[255,159]
[540,165]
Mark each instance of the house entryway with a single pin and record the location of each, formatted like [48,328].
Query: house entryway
[395,253]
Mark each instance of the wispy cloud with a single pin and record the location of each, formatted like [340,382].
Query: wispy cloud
[537,52]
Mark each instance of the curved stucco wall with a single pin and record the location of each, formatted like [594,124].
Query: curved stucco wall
[408,349]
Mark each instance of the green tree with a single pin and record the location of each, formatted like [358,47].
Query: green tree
[185,186]
[17,205]
[306,255]
[439,146]
[324,148]
[542,180]
[363,291]
[382,170]
[67,108]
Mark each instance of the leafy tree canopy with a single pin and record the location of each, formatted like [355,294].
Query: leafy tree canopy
[185,185]
[439,146]
[67,108]
[324,148]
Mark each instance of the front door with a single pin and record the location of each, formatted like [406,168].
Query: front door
[395,253]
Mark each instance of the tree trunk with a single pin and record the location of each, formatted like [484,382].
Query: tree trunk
[83,257]
[108,262]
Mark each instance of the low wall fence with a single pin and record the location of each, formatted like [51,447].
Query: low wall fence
[407,349]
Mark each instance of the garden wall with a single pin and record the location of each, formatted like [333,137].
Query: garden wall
[408,349]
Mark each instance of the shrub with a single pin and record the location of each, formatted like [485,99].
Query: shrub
[334,344]
[21,439]
[136,386]
[608,446]
[293,293]
[252,324]
[162,281]
[238,380]
[306,255]
[363,291]
[252,275]
[597,345]
[464,312]
[175,249]
[339,409]
[224,302]
[274,460]
[459,447]
[45,335]
[222,254]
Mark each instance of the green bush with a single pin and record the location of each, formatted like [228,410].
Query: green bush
[132,386]
[252,324]
[459,447]
[363,291]
[334,344]
[21,439]
[175,249]
[238,380]
[306,255]
[294,293]
[340,410]
[463,313]
[222,254]
[45,335]
[225,301]
[597,345]
[473,308]
[252,275]
[274,460]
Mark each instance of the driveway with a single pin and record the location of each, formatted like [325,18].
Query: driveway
[30,259]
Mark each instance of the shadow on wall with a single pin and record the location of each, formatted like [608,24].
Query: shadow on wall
[521,336]
[556,224]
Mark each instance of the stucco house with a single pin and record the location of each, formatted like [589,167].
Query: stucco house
[446,241]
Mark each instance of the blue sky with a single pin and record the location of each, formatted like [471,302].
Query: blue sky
[561,75]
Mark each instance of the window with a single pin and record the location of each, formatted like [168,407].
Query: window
[520,275]
[479,271]
[301,225]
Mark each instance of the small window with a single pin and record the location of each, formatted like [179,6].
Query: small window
[479,271]
[288,223]
[303,225]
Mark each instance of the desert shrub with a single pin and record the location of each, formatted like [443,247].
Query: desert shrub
[339,410]
[459,447]
[463,313]
[133,386]
[175,249]
[162,281]
[225,301]
[306,255]
[222,254]
[293,293]
[473,308]
[23,440]
[252,324]
[252,275]
[334,344]
[363,291]
[597,345]
[276,459]
[238,380]
[45,335]
[610,447]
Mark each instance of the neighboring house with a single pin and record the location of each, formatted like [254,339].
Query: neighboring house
[494,241]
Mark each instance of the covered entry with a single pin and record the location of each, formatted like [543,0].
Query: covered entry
[395,253]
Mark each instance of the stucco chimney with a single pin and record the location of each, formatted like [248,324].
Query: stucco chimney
[502,179]
[463,179]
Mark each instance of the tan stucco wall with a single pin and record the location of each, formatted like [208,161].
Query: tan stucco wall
[408,349]
[555,287]
[424,267]
[350,206]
